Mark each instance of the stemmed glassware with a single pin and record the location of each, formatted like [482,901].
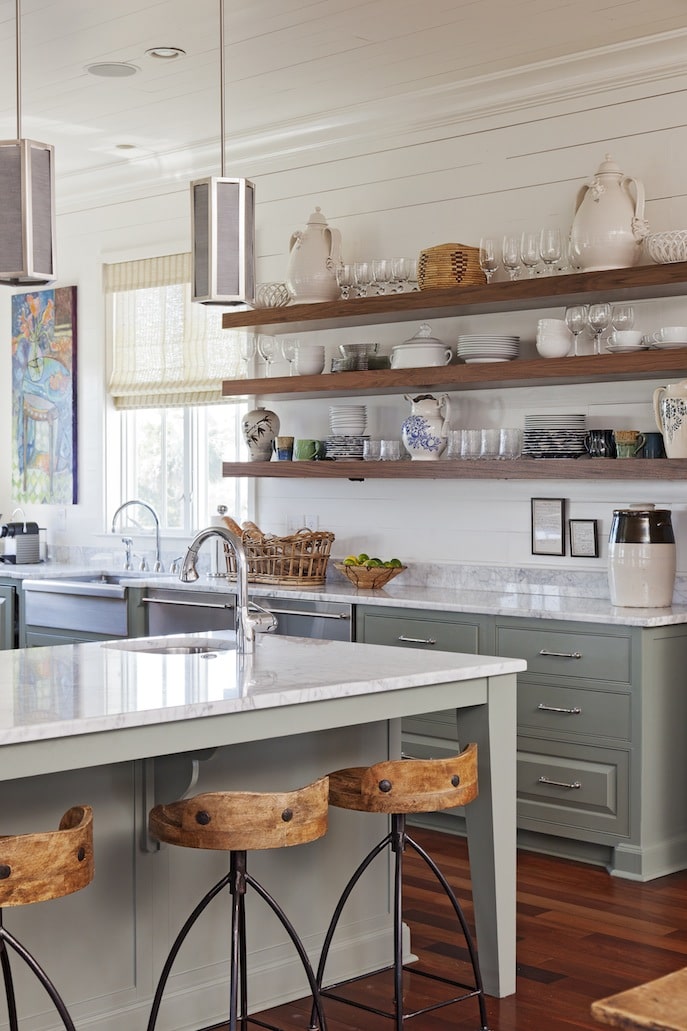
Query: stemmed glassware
[599,320]
[382,275]
[246,349]
[399,275]
[622,316]
[510,255]
[289,349]
[267,349]
[488,257]
[529,253]
[412,274]
[550,248]
[362,274]
[345,280]
[576,319]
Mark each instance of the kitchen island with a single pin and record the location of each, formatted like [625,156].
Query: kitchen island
[121,725]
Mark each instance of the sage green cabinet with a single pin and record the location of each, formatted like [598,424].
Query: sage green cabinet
[8,603]
[602,719]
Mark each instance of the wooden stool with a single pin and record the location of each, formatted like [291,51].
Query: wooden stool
[400,787]
[659,1005]
[236,822]
[35,868]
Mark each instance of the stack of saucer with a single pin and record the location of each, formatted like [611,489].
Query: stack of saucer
[347,420]
[487,347]
[554,436]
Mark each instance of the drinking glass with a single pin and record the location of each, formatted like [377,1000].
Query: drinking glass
[382,275]
[576,319]
[289,349]
[400,271]
[529,252]
[390,450]
[488,257]
[489,444]
[622,316]
[345,280]
[246,349]
[412,274]
[599,320]
[550,248]
[362,274]
[510,255]
[267,349]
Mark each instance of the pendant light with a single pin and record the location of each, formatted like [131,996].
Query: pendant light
[27,202]
[223,227]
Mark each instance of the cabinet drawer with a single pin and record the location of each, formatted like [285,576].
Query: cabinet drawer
[411,632]
[579,790]
[433,724]
[573,711]
[564,653]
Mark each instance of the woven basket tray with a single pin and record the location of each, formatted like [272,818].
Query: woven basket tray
[369,579]
[298,559]
[449,264]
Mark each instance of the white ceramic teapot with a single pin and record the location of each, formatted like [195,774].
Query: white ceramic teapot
[609,225]
[670,412]
[425,431]
[313,258]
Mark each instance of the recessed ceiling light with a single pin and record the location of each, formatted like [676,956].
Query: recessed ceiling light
[112,69]
[165,53]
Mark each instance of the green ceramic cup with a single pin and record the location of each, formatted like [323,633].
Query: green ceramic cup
[306,450]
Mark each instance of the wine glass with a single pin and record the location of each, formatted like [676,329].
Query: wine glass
[289,349]
[550,248]
[529,252]
[345,280]
[400,270]
[488,257]
[576,319]
[382,275]
[510,255]
[622,316]
[246,349]
[267,349]
[412,274]
[362,274]
[599,320]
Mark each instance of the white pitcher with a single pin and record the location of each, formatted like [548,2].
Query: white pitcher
[425,431]
[313,258]
[609,224]
[670,412]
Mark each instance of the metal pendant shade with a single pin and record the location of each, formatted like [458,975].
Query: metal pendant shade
[27,202]
[223,227]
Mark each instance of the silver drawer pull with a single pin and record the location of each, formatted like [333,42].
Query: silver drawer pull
[575,711]
[416,640]
[312,615]
[561,655]
[560,783]
[187,604]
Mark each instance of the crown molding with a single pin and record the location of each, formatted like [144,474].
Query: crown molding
[638,67]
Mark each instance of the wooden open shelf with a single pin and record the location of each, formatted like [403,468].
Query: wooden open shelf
[633,469]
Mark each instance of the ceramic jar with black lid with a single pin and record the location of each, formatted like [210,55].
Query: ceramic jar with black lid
[641,557]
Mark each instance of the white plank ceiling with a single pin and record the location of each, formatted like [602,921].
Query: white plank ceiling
[287,62]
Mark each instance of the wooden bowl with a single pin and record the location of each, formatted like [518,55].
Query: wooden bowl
[369,579]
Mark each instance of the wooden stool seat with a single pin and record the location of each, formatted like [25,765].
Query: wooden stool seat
[659,1005]
[238,822]
[407,785]
[36,868]
[244,820]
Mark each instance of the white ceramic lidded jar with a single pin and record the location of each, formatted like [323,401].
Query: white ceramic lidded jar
[314,254]
[641,557]
[609,225]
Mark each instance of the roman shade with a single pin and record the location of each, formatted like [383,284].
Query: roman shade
[164,350]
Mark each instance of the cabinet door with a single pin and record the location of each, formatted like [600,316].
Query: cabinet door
[7,603]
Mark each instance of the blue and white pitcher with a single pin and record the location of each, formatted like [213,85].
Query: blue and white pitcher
[425,431]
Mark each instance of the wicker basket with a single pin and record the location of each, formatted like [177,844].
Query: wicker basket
[668,247]
[369,579]
[298,559]
[449,264]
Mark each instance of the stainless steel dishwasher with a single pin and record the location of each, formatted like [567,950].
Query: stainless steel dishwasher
[325,620]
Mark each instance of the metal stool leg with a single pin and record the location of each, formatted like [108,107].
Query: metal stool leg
[8,939]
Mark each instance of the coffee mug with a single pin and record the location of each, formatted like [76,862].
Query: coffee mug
[600,444]
[305,450]
[626,338]
[283,447]
[628,443]
[653,446]
[670,335]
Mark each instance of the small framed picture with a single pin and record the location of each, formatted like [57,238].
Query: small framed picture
[584,538]
[548,526]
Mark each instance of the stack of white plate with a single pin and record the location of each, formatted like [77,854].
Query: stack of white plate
[344,448]
[347,420]
[554,436]
[488,347]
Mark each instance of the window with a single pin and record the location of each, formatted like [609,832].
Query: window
[168,358]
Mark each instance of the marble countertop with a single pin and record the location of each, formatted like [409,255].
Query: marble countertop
[537,600]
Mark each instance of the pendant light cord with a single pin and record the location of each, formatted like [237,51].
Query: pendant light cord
[221,82]
[17,16]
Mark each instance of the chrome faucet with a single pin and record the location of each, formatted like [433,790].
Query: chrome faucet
[248,624]
[157,568]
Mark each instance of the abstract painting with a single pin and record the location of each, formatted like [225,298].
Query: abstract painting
[44,452]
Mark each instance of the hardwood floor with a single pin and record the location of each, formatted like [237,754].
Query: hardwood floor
[581,935]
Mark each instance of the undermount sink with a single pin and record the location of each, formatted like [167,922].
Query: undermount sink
[171,646]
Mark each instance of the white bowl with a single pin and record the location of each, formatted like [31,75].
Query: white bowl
[412,356]
[554,346]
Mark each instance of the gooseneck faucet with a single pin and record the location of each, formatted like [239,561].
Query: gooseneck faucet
[248,623]
[157,568]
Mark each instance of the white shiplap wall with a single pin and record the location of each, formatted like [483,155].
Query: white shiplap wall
[436,169]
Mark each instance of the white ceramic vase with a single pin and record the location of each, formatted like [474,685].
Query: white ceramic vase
[260,428]
[425,431]
[609,225]
[670,412]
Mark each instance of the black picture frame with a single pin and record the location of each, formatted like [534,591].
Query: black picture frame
[548,526]
[584,538]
